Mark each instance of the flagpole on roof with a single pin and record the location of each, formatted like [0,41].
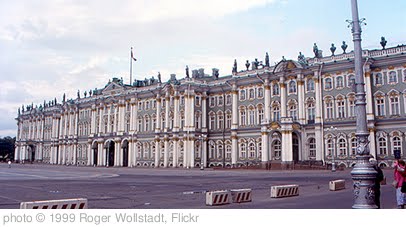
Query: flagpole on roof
[131,66]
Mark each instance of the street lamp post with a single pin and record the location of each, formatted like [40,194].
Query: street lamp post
[201,153]
[363,173]
[333,163]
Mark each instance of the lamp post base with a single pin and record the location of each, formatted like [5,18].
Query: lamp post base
[363,176]
[333,167]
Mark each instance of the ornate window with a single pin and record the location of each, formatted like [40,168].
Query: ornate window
[310,110]
[351,80]
[396,143]
[277,149]
[340,82]
[198,117]
[220,117]
[310,85]
[220,100]
[393,77]
[404,75]
[212,149]
[380,106]
[260,114]
[228,100]
[394,104]
[340,108]
[312,147]
[342,147]
[252,152]
[275,112]
[242,95]
[330,146]
[212,101]
[228,119]
[275,89]
[353,146]
[328,84]
[198,100]
[251,93]
[292,109]
[212,121]
[329,108]
[260,92]
[228,151]
[259,150]
[292,86]
[220,150]
[378,79]
[382,146]
[243,117]
[243,150]
[251,114]
[351,105]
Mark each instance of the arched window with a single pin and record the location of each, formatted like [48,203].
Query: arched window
[380,106]
[340,107]
[275,112]
[251,148]
[397,144]
[329,108]
[275,89]
[228,100]
[260,92]
[311,111]
[277,149]
[212,148]
[292,109]
[182,120]
[259,150]
[260,114]
[351,105]
[251,114]
[310,85]
[394,104]
[251,93]
[353,146]
[242,95]
[342,147]
[228,119]
[220,151]
[351,80]
[330,146]
[340,82]
[228,152]
[212,125]
[220,117]
[382,146]
[378,79]
[312,148]
[243,117]
[393,77]
[243,151]
[292,86]
[328,83]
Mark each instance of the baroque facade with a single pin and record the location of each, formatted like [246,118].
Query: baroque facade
[291,112]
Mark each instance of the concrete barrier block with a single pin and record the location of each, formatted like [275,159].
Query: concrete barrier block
[284,191]
[214,198]
[79,203]
[336,185]
[241,195]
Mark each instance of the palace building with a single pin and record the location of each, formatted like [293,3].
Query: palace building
[291,112]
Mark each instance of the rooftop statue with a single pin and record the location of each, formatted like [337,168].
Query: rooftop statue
[78,94]
[55,101]
[63,98]
[19,111]
[332,49]
[187,72]
[247,64]
[301,59]
[344,47]
[159,77]
[90,92]
[85,94]
[315,50]
[235,66]
[267,60]
[383,42]
[255,64]
[22,108]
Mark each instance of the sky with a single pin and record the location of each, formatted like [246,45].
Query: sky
[52,47]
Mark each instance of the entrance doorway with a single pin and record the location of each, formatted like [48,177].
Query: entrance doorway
[125,153]
[295,147]
[31,153]
[95,154]
[110,153]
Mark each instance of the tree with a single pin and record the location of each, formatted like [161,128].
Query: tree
[7,148]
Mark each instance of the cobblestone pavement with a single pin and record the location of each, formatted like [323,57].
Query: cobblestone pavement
[142,188]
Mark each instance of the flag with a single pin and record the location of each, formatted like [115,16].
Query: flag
[132,55]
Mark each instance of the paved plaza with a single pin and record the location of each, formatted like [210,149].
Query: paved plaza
[146,188]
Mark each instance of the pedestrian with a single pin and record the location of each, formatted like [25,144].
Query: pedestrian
[400,178]
[378,180]
[9,164]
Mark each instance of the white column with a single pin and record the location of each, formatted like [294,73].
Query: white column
[176,112]
[234,126]
[121,115]
[175,152]
[75,153]
[300,97]
[372,141]
[265,145]
[158,114]
[93,121]
[287,155]
[90,155]
[167,107]
[101,113]
[157,152]
[267,103]
[100,154]
[368,89]
[166,153]
[204,112]
[283,97]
